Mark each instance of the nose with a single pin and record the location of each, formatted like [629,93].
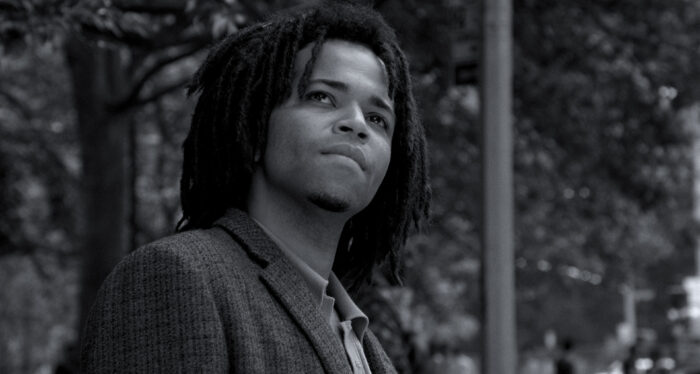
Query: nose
[352,122]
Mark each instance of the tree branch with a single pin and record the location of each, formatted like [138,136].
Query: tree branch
[378,3]
[164,39]
[40,268]
[254,12]
[17,103]
[162,126]
[152,6]
[160,92]
[166,58]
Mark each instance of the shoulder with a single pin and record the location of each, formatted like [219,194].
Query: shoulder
[136,323]
[183,271]
[193,258]
[193,248]
[189,243]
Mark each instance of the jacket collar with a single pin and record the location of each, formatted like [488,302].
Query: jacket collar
[287,285]
[249,235]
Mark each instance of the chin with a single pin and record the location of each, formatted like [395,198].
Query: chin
[330,203]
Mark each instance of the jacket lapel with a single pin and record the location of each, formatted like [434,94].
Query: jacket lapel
[286,284]
[378,361]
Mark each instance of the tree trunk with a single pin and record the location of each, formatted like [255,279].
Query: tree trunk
[98,77]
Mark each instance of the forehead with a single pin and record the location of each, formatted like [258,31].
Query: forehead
[337,58]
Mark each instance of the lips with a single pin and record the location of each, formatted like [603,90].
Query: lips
[349,151]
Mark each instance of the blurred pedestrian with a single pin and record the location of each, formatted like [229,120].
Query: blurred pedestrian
[629,364]
[564,364]
[305,164]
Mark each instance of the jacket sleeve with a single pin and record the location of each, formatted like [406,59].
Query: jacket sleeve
[155,313]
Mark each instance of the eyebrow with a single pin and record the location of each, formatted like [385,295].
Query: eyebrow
[342,86]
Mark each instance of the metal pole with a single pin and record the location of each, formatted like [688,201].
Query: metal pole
[500,346]
[693,115]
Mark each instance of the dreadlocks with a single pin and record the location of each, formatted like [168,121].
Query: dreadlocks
[246,76]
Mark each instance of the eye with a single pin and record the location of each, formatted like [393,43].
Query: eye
[319,96]
[378,120]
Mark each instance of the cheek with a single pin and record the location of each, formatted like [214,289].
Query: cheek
[290,146]
[280,138]
[383,160]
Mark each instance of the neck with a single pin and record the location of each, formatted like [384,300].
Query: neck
[309,231]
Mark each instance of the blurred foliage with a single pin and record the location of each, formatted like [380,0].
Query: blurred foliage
[603,161]
[603,164]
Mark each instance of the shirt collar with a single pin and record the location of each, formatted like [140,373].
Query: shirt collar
[347,309]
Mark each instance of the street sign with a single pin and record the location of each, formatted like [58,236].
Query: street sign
[465,61]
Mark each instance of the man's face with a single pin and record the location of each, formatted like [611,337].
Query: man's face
[332,146]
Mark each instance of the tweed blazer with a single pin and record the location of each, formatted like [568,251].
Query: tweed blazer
[220,300]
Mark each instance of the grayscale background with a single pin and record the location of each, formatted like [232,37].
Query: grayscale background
[606,118]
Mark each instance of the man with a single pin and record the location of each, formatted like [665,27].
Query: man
[564,364]
[304,166]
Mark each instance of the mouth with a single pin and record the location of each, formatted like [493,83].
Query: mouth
[348,151]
